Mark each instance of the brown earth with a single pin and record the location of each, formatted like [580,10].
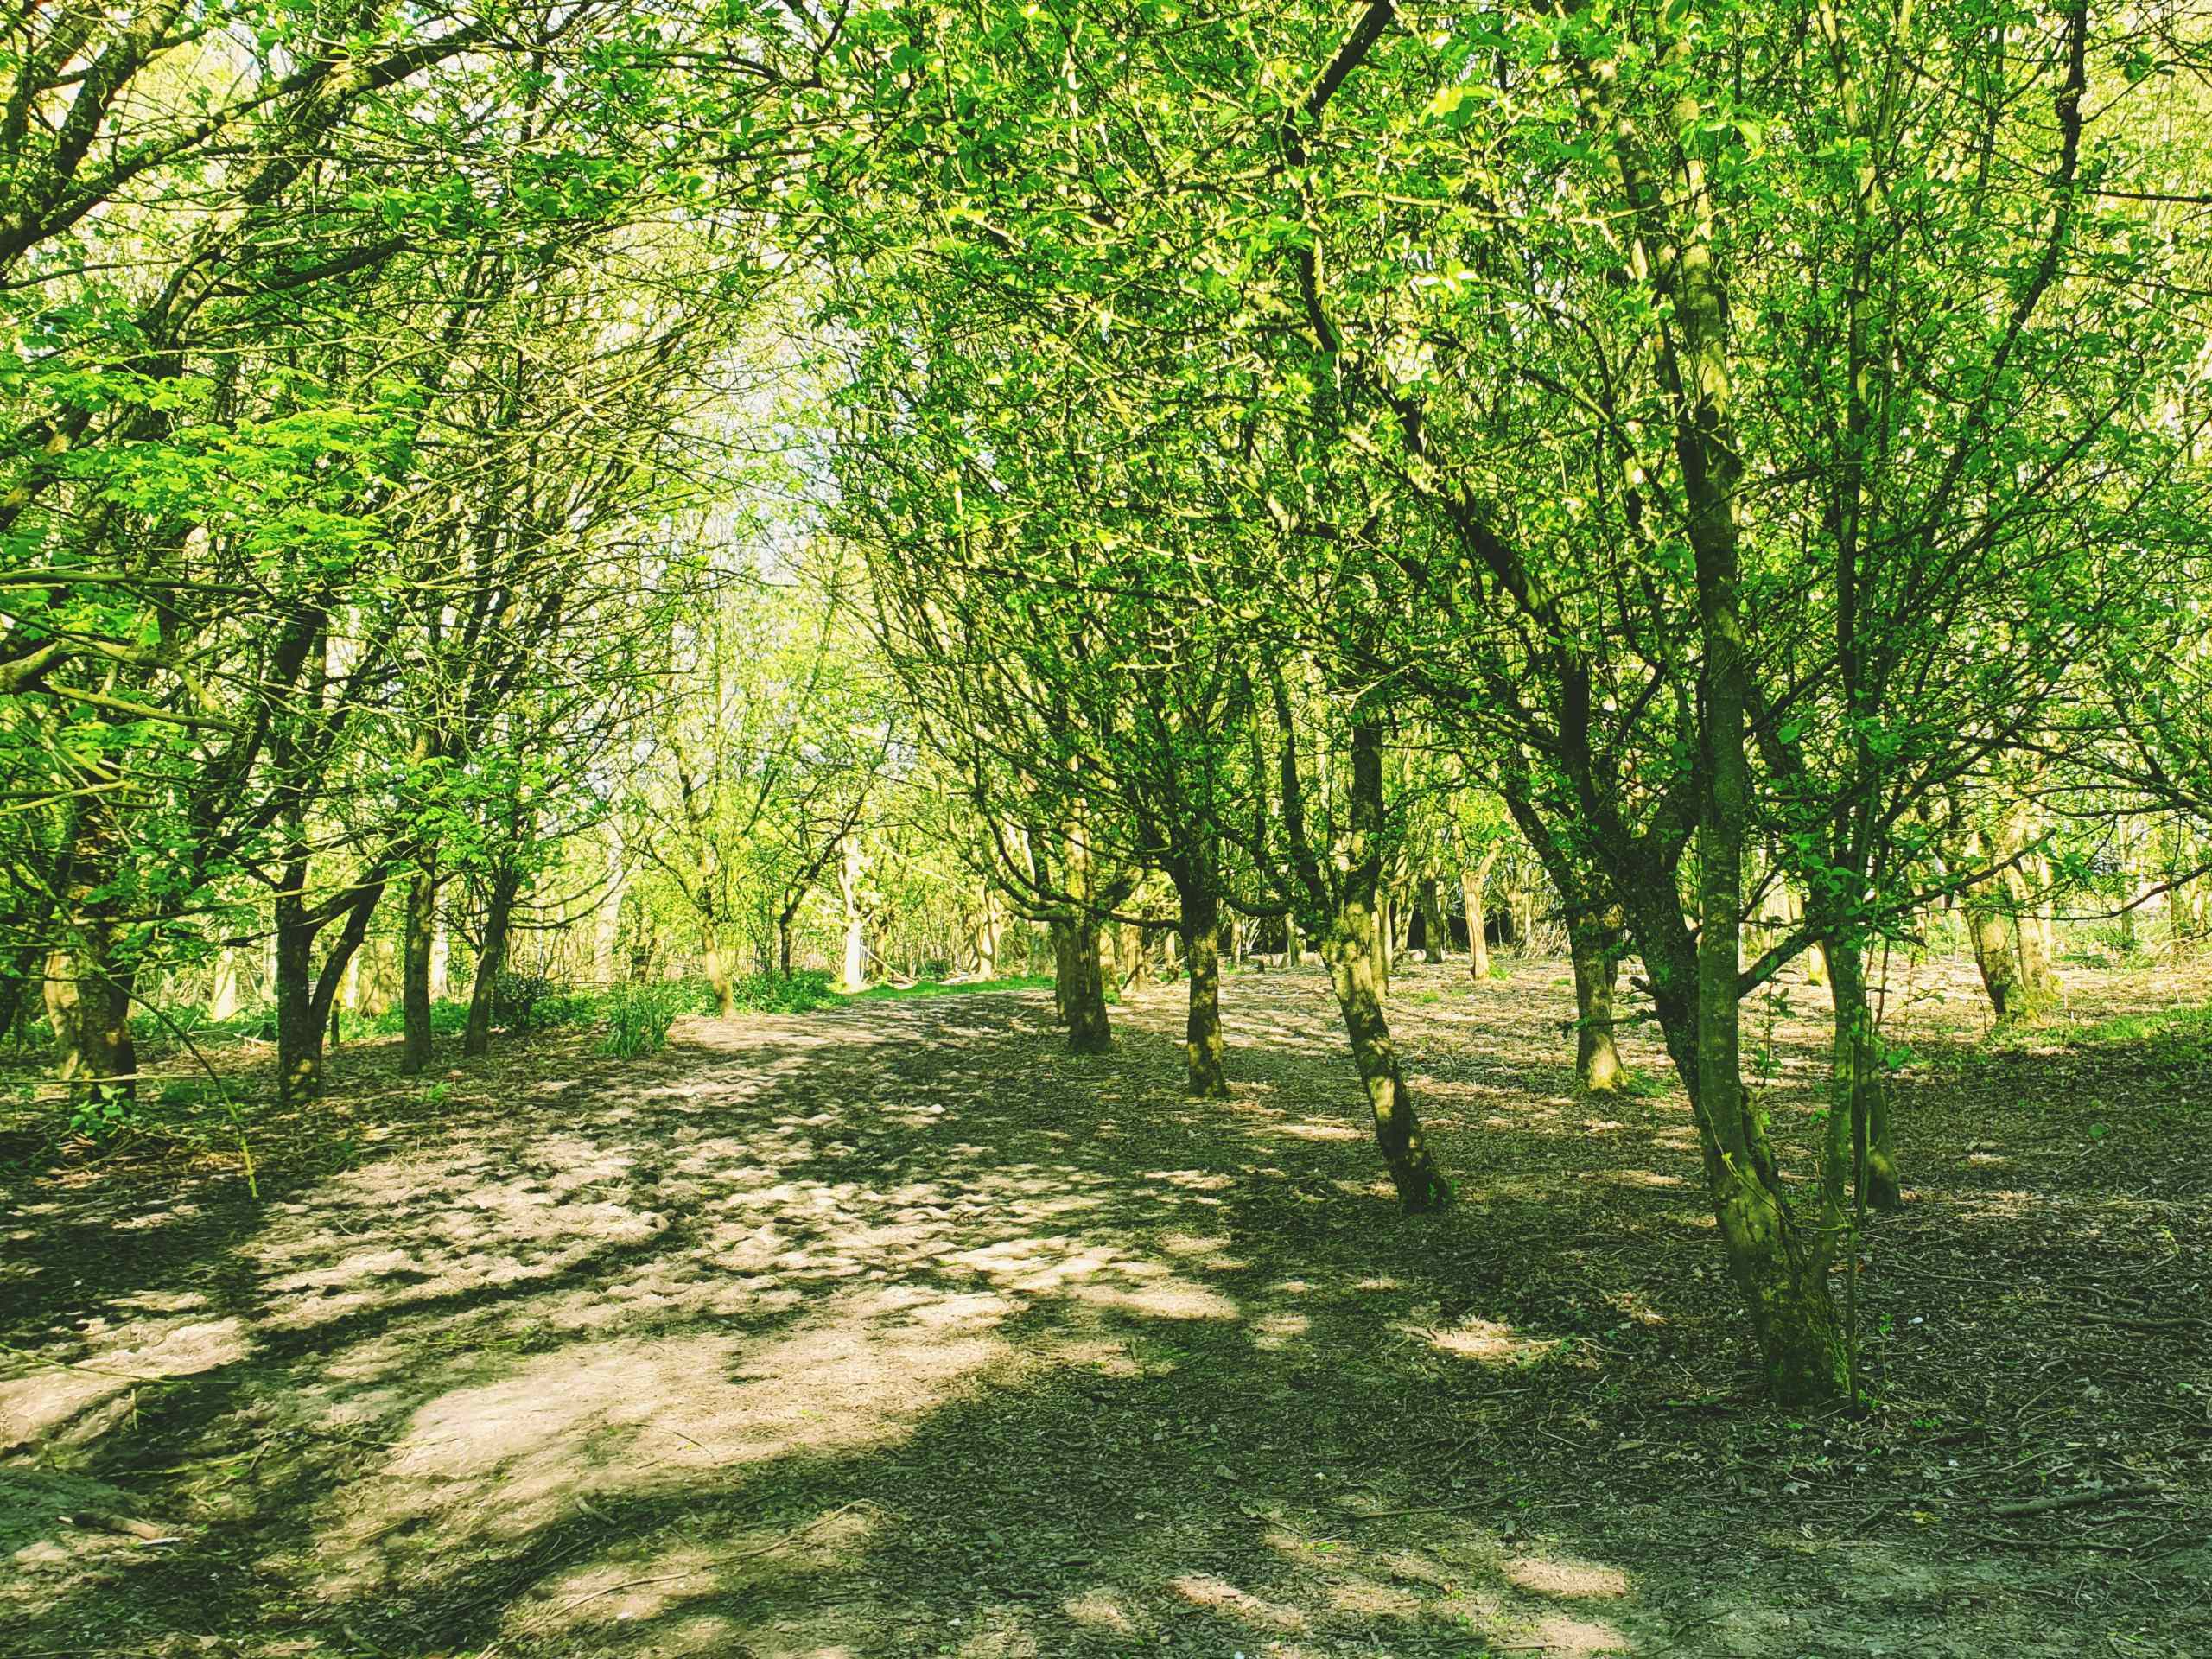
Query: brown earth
[895,1330]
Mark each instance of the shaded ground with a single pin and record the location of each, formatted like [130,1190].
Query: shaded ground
[895,1330]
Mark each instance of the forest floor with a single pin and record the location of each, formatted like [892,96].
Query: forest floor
[895,1330]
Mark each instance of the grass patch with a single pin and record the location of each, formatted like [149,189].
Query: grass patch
[939,987]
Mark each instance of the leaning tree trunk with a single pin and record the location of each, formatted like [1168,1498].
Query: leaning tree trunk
[1350,953]
[713,956]
[1593,945]
[1355,955]
[491,962]
[1205,1076]
[418,927]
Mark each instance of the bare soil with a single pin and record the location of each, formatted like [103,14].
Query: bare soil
[896,1330]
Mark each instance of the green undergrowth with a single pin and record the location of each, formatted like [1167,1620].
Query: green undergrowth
[939,988]
[2174,1038]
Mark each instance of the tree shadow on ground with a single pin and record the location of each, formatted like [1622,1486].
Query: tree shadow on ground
[897,1331]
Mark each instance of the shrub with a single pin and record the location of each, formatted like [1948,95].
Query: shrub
[639,1016]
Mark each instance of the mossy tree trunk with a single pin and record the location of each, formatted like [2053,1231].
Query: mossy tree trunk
[1593,943]
[1205,1075]
[1472,884]
[1857,1095]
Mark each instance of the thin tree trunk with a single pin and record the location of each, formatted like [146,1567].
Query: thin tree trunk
[299,1026]
[1350,954]
[1856,1091]
[418,927]
[854,977]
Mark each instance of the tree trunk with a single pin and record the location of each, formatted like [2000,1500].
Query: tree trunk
[715,958]
[1472,885]
[88,1005]
[1061,934]
[1783,1278]
[990,927]
[854,977]
[224,999]
[1204,1076]
[1594,946]
[418,927]
[477,1041]
[1431,921]
[1354,953]
[1856,1091]
[440,959]
[607,920]
[299,1025]
[1350,953]
[1089,1032]
[1995,946]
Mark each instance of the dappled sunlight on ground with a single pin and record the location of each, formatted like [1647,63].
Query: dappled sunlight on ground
[896,1330]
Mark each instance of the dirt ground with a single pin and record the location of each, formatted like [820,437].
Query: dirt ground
[895,1330]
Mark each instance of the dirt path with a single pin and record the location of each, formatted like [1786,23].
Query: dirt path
[897,1330]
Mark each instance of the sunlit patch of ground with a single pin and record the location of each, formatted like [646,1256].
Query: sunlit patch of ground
[896,1330]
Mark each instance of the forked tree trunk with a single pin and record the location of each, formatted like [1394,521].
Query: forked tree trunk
[1856,1089]
[417,928]
[1593,946]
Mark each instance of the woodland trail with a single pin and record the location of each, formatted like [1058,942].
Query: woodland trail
[894,1330]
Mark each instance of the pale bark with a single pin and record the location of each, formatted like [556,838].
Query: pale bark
[853,977]
[1473,885]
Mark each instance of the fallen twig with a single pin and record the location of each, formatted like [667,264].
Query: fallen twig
[2086,1495]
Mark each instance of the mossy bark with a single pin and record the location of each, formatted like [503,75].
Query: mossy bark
[1088,1031]
[1594,946]
[1858,1102]
[1349,952]
[1206,1076]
